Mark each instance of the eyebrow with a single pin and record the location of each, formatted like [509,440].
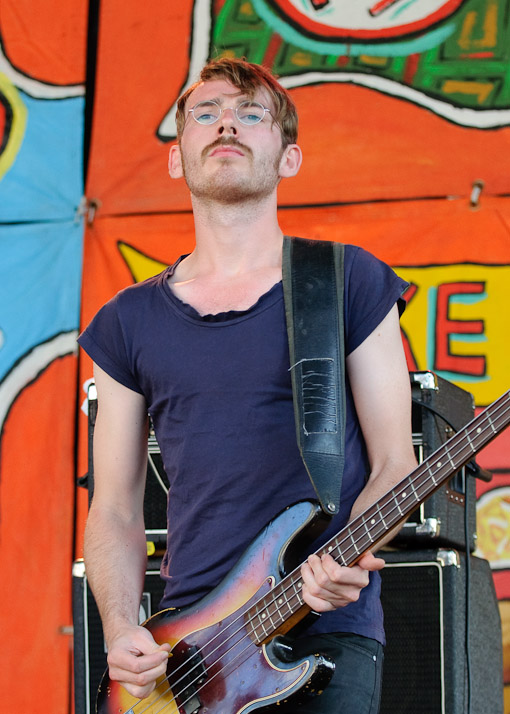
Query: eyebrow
[220,100]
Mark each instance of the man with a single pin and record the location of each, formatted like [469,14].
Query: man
[203,348]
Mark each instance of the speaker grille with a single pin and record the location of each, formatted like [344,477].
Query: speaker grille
[442,657]
[413,630]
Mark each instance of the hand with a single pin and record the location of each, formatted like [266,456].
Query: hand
[135,660]
[328,585]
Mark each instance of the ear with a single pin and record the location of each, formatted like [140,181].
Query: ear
[290,161]
[175,162]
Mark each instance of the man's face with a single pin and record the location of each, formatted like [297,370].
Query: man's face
[228,161]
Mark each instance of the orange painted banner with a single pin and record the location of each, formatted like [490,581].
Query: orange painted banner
[361,142]
[47,45]
[36,533]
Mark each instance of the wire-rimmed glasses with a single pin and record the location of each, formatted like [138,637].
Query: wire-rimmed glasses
[248,112]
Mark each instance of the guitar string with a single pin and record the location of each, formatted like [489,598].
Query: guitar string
[465,434]
[195,693]
[201,650]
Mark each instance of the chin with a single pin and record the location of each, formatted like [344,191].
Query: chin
[233,189]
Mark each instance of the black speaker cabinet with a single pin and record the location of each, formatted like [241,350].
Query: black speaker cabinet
[444,645]
[89,646]
[448,517]
[156,486]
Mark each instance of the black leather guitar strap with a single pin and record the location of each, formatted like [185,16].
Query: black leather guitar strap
[313,286]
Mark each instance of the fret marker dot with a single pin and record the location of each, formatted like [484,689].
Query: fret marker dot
[479,430]
[404,494]
[372,521]
[330,549]
[300,584]
[263,615]
[439,465]
[280,601]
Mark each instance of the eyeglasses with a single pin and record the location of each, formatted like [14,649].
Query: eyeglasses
[248,113]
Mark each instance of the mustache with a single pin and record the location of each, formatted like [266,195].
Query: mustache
[227,141]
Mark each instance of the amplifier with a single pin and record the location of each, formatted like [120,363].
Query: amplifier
[156,486]
[444,647]
[89,646]
[448,517]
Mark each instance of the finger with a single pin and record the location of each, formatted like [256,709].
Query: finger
[340,573]
[329,574]
[368,561]
[327,585]
[317,570]
[137,662]
[138,678]
[312,598]
[315,595]
[136,691]
[144,644]
[334,571]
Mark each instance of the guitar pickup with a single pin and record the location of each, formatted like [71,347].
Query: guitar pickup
[187,699]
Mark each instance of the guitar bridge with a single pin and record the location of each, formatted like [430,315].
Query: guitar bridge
[187,698]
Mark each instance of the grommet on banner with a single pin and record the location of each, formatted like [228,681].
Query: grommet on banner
[476,190]
[87,208]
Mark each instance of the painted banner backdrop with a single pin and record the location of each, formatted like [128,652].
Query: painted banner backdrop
[405,127]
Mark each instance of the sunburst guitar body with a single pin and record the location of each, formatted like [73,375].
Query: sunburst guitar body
[226,654]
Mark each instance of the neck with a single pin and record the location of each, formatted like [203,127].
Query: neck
[236,238]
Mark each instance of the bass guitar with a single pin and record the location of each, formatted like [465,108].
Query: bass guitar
[228,652]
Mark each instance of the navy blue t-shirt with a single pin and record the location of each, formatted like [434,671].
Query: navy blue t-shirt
[218,389]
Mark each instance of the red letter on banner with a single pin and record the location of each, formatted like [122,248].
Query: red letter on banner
[472,365]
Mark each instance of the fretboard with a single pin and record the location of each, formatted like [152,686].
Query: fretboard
[283,606]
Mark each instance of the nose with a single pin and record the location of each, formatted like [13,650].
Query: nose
[227,121]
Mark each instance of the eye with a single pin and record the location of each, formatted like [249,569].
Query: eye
[206,112]
[250,112]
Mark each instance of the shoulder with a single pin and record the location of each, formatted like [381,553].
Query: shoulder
[135,301]
[364,271]
[358,259]
[123,325]
[354,256]
[371,289]
[125,310]
[141,291]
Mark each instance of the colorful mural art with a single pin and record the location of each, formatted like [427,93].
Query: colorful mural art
[405,128]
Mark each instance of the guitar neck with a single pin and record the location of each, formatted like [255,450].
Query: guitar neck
[284,606]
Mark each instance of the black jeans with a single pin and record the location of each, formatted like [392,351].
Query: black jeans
[355,687]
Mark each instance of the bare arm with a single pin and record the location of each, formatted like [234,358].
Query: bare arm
[380,385]
[382,394]
[115,547]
